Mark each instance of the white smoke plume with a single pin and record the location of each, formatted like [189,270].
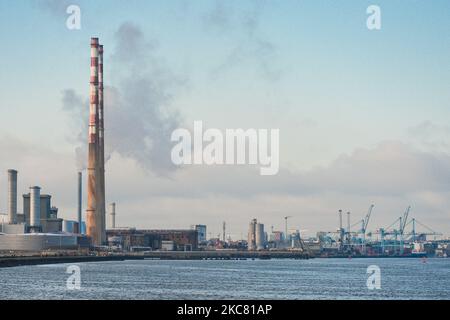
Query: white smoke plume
[138,115]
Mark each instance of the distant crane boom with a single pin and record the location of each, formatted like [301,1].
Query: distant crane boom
[367,218]
[404,220]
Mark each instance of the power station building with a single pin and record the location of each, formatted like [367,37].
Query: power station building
[38,228]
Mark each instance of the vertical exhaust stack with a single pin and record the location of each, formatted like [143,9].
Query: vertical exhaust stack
[35,209]
[93,221]
[223,232]
[80,195]
[12,196]
[101,146]
[113,215]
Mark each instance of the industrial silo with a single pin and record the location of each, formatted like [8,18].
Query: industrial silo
[35,209]
[259,236]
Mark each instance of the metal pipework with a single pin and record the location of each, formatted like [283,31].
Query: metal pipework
[93,219]
[35,208]
[12,196]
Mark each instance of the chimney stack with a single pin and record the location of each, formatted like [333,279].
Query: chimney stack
[12,196]
[35,209]
[223,232]
[113,215]
[80,195]
[101,146]
[93,218]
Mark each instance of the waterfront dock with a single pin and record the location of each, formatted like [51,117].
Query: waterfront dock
[14,261]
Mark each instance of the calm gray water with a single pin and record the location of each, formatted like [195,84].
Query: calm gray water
[247,279]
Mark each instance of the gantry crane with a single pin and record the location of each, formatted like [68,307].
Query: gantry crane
[364,224]
[397,233]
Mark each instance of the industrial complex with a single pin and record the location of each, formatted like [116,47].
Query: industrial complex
[38,228]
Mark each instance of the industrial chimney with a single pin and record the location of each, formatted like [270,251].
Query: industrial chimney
[101,146]
[113,215]
[93,217]
[80,195]
[96,211]
[223,232]
[12,196]
[35,209]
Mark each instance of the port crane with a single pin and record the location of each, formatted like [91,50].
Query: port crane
[396,233]
[364,224]
[400,235]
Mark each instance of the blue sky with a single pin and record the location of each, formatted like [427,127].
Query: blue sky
[310,68]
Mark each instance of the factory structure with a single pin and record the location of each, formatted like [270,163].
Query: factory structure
[38,227]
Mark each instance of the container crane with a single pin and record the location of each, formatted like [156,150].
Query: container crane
[403,222]
[397,233]
[364,224]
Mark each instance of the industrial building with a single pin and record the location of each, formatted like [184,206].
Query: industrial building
[130,238]
[201,231]
[38,227]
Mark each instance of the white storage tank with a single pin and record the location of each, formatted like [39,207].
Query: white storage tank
[35,208]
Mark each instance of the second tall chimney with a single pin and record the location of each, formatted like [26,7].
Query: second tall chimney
[93,219]
[101,146]
[12,196]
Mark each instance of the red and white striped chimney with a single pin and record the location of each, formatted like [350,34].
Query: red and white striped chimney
[93,222]
[101,147]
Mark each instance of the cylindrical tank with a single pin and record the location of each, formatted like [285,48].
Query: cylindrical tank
[35,208]
[12,196]
[259,236]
